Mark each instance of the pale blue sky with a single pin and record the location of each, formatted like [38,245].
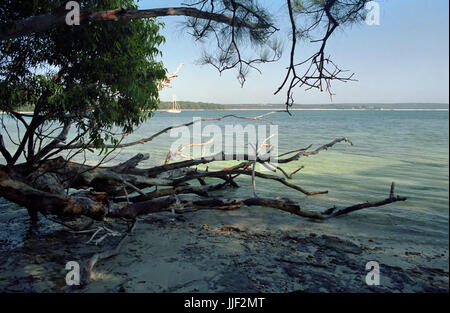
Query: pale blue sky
[404,59]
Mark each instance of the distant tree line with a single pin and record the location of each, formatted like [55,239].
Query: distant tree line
[190,105]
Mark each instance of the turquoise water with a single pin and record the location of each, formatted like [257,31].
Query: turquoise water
[408,147]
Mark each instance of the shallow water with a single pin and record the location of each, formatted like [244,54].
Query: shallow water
[408,147]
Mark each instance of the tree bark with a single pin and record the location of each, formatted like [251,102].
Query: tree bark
[98,192]
[45,22]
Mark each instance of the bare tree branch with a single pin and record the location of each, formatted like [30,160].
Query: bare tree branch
[45,22]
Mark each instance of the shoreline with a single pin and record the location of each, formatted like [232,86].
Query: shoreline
[211,252]
[260,250]
[280,109]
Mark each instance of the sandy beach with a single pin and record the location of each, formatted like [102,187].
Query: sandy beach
[212,251]
[231,149]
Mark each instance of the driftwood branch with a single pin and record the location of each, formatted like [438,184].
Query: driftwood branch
[192,204]
[86,276]
[122,191]
[109,182]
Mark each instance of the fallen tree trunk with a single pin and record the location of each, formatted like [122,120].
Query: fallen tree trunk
[106,182]
[34,200]
[107,189]
[192,204]
[64,188]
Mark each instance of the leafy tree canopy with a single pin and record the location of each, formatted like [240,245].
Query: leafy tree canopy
[101,75]
[95,76]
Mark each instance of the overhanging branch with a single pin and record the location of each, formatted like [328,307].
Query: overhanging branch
[45,22]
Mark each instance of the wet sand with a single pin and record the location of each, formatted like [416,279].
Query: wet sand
[212,251]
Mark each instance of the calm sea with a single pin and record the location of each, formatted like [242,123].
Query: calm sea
[407,147]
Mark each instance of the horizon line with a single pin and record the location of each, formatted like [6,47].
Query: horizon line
[337,103]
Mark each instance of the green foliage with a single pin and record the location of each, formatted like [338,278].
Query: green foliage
[298,6]
[98,75]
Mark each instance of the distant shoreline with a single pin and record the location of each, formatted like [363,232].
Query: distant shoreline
[280,109]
